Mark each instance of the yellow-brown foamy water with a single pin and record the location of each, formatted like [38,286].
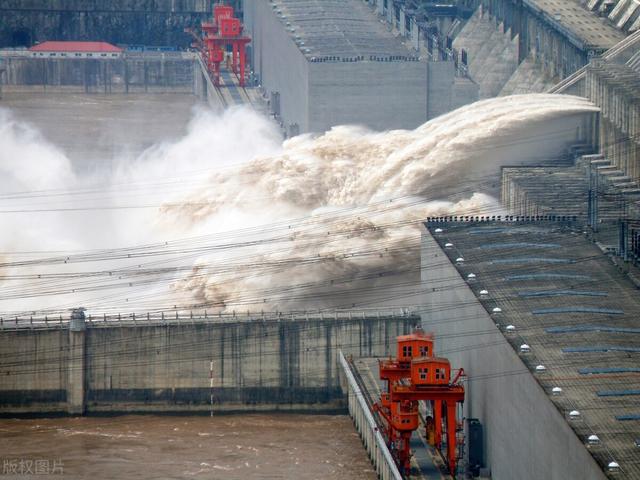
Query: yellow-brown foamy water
[162,447]
[229,218]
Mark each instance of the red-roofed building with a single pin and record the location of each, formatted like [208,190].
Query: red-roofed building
[76,49]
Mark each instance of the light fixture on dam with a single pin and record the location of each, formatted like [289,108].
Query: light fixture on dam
[510,329]
[438,230]
[448,245]
[613,467]
[459,261]
[524,348]
[484,293]
[496,310]
[471,277]
[540,369]
[574,415]
[556,391]
[593,440]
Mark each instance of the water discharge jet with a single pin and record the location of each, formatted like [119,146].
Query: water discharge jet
[318,221]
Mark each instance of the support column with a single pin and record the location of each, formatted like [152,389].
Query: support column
[242,63]
[451,436]
[75,380]
[437,420]
[126,74]
[234,64]
[2,70]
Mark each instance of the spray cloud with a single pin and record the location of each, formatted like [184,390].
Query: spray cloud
[228,217]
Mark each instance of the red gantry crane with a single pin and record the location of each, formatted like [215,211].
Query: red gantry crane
[414,375]
[223,31]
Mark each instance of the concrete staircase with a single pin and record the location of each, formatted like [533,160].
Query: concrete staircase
[492,54]
[528,78]
[634,62]
[564,190]
[546,190]
[619,194]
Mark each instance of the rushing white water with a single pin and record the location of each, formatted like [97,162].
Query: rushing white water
[246,222]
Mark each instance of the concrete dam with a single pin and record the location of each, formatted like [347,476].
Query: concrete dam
[187,362]
[320,239]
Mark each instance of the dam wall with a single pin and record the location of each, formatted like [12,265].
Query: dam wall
[132,73]
[199,364]
[314,84]
[560,43]
[521,425]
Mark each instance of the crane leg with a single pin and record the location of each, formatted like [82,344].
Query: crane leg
[437,420]
[451,436]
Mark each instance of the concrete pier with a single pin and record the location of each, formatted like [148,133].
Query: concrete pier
[76,367]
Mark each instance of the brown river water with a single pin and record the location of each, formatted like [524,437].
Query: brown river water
[164,447]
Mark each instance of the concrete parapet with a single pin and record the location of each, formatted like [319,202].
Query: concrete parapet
[213,364]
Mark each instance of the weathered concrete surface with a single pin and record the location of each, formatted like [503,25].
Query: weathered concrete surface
[282,69]
[246,365]
[36,364]
[379,95]
[76,368]
[311,96]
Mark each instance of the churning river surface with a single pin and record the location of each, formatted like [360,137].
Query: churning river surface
[259,446]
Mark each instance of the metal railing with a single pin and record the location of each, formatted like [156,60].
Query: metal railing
[180,317]
[367,427]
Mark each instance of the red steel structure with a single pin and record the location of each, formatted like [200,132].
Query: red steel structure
[223,31]
[417,374]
